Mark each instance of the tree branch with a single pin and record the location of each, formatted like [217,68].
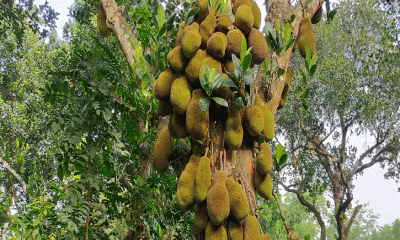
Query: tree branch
[278,201]
[14,173]
[353,216]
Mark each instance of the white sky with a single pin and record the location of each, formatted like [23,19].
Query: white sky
[372,188]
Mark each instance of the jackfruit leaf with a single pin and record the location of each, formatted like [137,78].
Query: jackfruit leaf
[243,49]
[304,104]
[248,80]
[289,44]
[204,103]
[251,71]
[292,18]
[305,94]
[186,5]
[279,151]
[331,15]
[304,76]
[236,62]
[239,102]
[216,82]
[308,56]
[283,160]
[204,84]
[246,62]
[281,71]
[228,82]
[160,15]
[60,172]
[270,40]
[220,101]
[276,164]
[232,75]
[313,70]
[193,12]
[287,32]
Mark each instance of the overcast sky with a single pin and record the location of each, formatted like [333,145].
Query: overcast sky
[372,188]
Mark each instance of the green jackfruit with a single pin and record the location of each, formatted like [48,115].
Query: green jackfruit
[191,42]
[211,63]
[259,46]
[284,96]
[257,100]
[216,232]
[306,38]
[186,182]
[218,199]
[223,23]
[181,93]
[196,120]
[289,74]
[235,230]
[162,150]
[265,237]
[177,125]
[194,26]
[269,124]
[317,16]
[234,38]
[193,67]
[251,228]
[162,88]
[203,179]
[233,130]
[264,159]
[224,92]
[203,13]
[179,36]
[201,219]
[254,120]
[244,18]
[216,45]
[238,3]
[237,200]
[164,108]
[229,66]
[176,59]
[263,185]
[102,23]
[207,27]
[256,13]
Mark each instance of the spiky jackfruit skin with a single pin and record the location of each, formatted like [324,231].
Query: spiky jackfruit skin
[218,199]
[264,159]
[203,13]
[201,219]
[233,130]
[193,67]
[191,42]
[164,108]
[223,23]
[237,199]
[207,28]
[211,63]
[194,26]
[229,66]
[216,232]
[289,74]
[244,18]
[251,228]
[181,93]
[256,13]
[238,3]
[196,120]
[284,96]
[263,185]
[162,150]
[224,92]
[254,120]
[216,45]
[259,46]
[265,237]
[317,16]
[234,38]
[179,36]
[177,125]
[186,184]
[162,88]
[235,230]
[203,179]
[102,23]
[176,59]
[257,100]
[306,38]
[269,123]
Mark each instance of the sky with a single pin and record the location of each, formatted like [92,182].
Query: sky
[381,195]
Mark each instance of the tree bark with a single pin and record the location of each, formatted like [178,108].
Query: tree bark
[14,173]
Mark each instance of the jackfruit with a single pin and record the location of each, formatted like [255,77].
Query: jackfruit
[264,159]
[203,179]
[164,108]
[191,42]
[194,26]
[289,74]
[265,237]
[256,13]
[202,4]
[254,120]
[259,46]
[211,63]
[179,35]
[201,219]
[216,45]
[196,120]
[234,38]
[162,150]
[306,38]
[237,200]
[104,30]
[235,230]
[269,123]
[317,16]
[181,93]
[176,59]
[215,232]
[263,185]
[185,190]
[177,125]
[224,92]
[218,199]
[224,22]
[244,18]
[229,66]
[233,129]
[284,96]
[257,100]
[238,3]
[251,228]
[193,67]
[207,27]
[162,88]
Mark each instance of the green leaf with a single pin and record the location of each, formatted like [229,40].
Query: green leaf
[246,62]
[313,70]
[60,172]
[281,71]
[220,101]
[204,103]
[308,55]
[332,14]
[228,82]
[193,12]
[239,102]
[283,160]
[243,49]
[236,62]
[248,80]
[287,32]
[305,95]
[279,151]
[217,81]
[307,2]
[160,15]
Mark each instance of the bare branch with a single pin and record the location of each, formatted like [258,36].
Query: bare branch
[14,173]
[353,216]
[278,201]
